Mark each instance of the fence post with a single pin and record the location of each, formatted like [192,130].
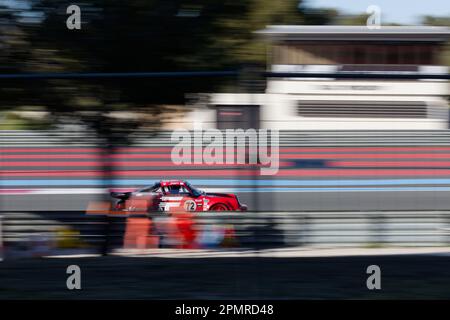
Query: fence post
[106,235]
[377,229]
[304,230]
[447,228]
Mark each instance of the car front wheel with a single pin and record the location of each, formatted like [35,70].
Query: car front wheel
[219,207]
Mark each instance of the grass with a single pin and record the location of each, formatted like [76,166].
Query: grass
[12,121]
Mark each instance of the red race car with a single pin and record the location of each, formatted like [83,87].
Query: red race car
[175,196]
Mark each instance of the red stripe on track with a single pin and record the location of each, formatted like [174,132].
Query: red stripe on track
[363,149]
[169,149]
[368,156]
[282,156]
[85,150]
[15,191]
[231,173]
[85,156]
[131,162]
[119,164]
[390,164]
[58,150]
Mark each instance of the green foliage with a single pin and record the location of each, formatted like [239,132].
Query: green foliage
[440,21]
[436,21]
[14,121]
[137,35]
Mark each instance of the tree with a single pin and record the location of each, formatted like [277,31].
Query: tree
[130,36]
[440,21]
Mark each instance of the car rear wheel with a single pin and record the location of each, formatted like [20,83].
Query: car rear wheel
[219,207]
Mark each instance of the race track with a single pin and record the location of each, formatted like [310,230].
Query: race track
[278,201]
[352,171]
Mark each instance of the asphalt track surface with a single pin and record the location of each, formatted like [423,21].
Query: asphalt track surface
[279,201]
[402,277]
[319,178]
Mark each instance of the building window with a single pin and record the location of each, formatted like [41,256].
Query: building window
[362,109]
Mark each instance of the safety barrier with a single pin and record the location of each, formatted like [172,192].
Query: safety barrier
[287,138]
[43,233]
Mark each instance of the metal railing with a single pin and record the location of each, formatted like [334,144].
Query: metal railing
[287,138]
[74,230]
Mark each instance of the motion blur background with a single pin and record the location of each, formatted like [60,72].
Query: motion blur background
[363,117]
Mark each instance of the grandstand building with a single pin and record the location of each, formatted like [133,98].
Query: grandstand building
[334,103]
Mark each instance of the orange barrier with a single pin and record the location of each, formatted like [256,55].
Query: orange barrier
[98,207]
[229,238]
[186,227]
[137,234]
[137,205]
[104,208]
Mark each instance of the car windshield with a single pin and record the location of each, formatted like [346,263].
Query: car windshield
[196,192]
[153,188]
[176,190]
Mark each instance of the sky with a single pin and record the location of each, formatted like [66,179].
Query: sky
[392,11]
